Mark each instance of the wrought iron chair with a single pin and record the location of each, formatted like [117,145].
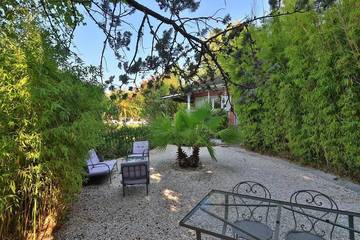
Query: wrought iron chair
[135,173]
[95,167]
[139,149]
[308,225]
[250,218]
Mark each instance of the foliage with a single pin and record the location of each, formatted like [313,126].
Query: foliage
[117,140]
[307,100]
[189,128]
[153,104]
[49,119]
[146,102]
[179,44]
[130,107]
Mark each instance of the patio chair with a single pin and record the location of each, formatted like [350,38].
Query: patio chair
[95,167]
[308,225]
[251,218]
[135,173]
[139,149]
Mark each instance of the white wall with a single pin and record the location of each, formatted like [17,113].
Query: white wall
[199,101]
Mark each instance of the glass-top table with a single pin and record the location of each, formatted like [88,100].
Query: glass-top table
[226,215]
[135,158]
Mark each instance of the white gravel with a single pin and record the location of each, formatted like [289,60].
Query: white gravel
[101,211]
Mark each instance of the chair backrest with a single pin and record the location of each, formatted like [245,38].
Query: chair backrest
[134,170]
[140,147]
[93,158]
[252,213]
[303,217]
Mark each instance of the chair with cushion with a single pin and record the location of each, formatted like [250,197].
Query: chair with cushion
[135,173]
[251,219]
[95,167]
[140,149]
[306,221]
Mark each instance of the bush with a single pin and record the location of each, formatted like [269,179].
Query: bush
[117,140]
[307,99]
[49,120]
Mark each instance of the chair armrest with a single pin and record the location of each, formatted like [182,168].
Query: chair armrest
[145,152]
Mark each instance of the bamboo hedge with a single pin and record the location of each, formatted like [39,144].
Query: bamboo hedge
[307,100]
[49,119]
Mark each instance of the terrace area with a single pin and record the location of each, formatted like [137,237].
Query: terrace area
[101,212]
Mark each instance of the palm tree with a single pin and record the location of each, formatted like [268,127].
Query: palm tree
[190,129]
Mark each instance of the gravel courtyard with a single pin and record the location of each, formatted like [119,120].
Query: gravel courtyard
[101,211]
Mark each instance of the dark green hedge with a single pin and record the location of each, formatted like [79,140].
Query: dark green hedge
[307,99]
[117,140]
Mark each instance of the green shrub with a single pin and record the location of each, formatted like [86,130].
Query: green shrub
[49,120]
[117,140]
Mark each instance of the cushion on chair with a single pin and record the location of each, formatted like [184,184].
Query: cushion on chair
[257,229]
[140,147]
[93,158]
[99,170]
[136,170]
[110,163]
[297,235]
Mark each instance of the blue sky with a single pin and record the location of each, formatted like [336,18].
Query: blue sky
[88,40]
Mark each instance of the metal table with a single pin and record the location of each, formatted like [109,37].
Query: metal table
[215,215]
[135,158]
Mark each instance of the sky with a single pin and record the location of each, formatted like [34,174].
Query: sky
[88,39]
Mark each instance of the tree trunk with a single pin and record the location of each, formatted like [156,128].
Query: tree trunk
[188,162]
[182,157]
[180,153]
[195,159]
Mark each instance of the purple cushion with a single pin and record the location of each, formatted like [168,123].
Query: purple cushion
[93,158]
[110,163]
[140,147]
[96,168]
[102,168]
[133,172]
[99,170]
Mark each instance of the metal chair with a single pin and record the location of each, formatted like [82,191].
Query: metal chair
[308,225]
[251,218]
[139,149]
[135,173]
[95,167]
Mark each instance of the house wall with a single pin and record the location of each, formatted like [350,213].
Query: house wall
[199,101]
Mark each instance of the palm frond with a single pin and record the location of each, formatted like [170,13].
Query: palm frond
[211,151]
[230,135]
[200,115]
[161,132]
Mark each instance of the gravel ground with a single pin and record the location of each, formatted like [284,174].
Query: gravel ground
[101,211]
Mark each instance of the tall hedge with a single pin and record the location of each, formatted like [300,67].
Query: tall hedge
[117,140]
[307,99]
[49,119]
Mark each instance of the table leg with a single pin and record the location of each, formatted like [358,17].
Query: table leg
[226,213]
[198,235]
[277,227]
[351,225]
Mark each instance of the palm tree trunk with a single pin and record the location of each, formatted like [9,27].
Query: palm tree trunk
[180,153]
[195,159]
[182,158]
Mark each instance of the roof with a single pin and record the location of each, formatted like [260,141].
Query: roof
[178,97]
